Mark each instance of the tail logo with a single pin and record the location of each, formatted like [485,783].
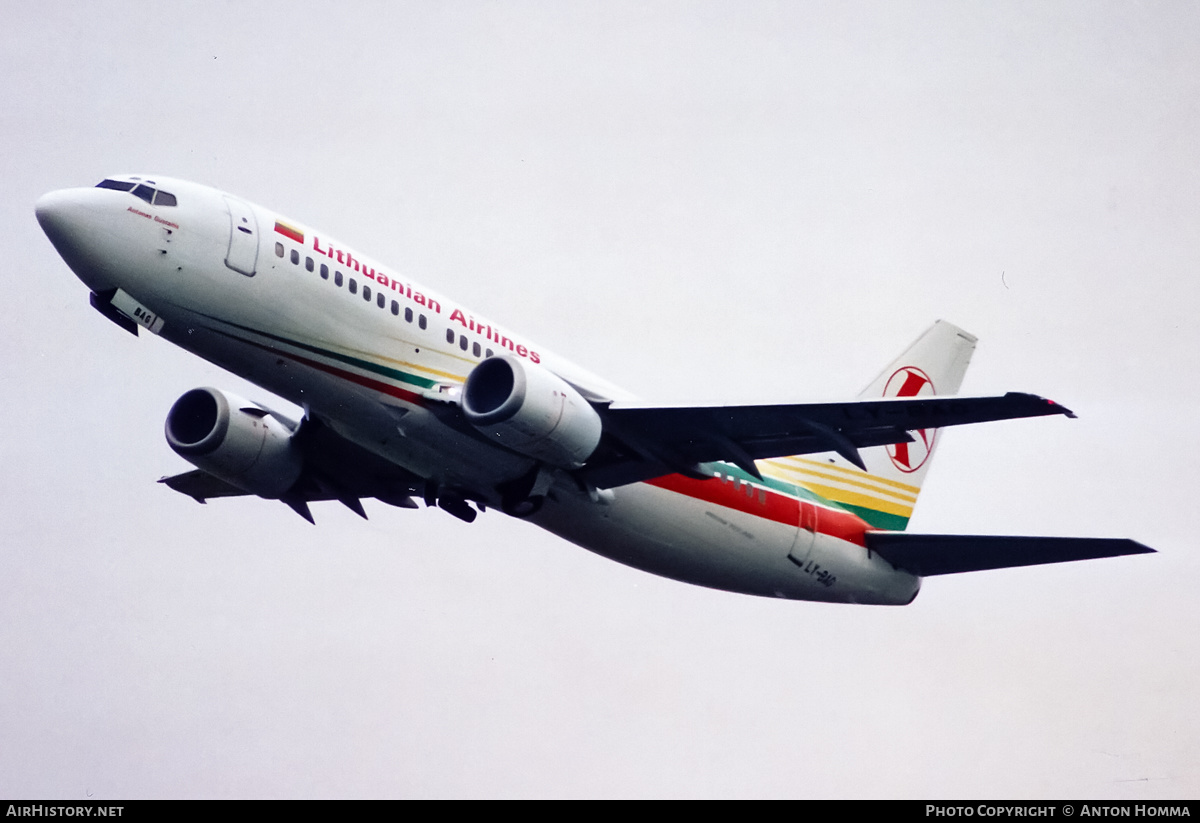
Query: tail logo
[910,381]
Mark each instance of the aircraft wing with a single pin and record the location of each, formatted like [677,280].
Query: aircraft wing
[200,486]
[926,555]
[334,469]
[642,443]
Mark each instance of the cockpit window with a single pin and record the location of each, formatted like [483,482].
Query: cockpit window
[147,193]
[119,185]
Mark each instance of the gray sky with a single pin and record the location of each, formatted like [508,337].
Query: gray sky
[703,202]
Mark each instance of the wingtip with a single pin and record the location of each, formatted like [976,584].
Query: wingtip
[1061,409]
[1053,406]
[1142,548]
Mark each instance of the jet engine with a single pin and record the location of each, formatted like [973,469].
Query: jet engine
[531,410]
[234,440]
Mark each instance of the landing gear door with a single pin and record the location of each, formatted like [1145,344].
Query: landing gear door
[243,237]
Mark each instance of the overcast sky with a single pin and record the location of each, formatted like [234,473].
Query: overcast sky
[702,202]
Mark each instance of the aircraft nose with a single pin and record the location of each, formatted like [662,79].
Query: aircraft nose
[49,210]
[72,219]
[61,215]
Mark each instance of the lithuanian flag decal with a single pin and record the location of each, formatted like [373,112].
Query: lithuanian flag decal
[289,232]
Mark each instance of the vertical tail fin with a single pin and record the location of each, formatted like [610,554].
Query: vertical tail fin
[885,494]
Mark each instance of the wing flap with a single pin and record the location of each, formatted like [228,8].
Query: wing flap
[200,486]
[927,555]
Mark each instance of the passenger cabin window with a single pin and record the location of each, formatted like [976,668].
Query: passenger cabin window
[279,250]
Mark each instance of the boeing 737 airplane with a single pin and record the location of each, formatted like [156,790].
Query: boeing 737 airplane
[409,394]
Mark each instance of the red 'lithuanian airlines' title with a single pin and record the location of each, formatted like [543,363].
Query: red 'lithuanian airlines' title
[346,258]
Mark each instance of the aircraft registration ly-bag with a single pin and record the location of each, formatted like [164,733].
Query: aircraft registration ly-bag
[408,394]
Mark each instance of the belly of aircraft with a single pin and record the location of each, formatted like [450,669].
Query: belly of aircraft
[694,541]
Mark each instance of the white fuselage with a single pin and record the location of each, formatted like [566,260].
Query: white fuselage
[375,356]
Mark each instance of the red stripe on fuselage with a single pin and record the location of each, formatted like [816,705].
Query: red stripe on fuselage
[732,495]
[779,507]
[368,382]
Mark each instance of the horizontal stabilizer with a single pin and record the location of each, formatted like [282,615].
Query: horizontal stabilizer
[926,555]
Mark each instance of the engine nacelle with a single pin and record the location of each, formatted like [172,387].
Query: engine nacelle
[531,410]
[234,440]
